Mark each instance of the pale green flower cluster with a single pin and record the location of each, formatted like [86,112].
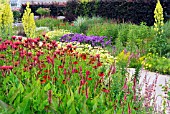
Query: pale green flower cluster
[57,33]
[158,17]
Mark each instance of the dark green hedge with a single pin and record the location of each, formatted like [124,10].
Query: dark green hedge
[135,11]
[55,7]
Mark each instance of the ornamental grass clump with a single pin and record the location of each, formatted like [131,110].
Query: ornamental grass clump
[28,22]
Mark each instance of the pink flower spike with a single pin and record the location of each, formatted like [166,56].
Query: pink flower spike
[6,67]
[65,72]
[87,72]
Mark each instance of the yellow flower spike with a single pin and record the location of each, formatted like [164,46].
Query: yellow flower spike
[158,17]
[6,17]
[28,22]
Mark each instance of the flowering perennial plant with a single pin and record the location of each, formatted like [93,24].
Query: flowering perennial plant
[158,17]
[93,40]
[57,33]
[6,20]
[28,22]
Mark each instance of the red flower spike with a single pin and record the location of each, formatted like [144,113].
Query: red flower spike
[106,90]
[54,79]
[50,96]
[83,56]
[43,81]
[46,77]
[99,64]
[39,72]
[74,70]
[82,82]
[64,81]
[61,66]
[97,55]
[75,62]
[83,91]
[89,78]
[46,71]
[2,56]
[101,74]
[95,67]
[87,72]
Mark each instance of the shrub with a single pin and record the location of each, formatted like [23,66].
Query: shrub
[16,14]
[155,63]
[43,11]
[139,37]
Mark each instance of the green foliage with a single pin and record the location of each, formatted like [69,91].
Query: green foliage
[52,23]
[104,29]
[155,63]
[82,24]
[138,37]
[43,11]
[17,15]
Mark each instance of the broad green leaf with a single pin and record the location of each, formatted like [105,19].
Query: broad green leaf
[70,100]
[21,87]
[7,79]
[109,111]
[14,96]
[84,110]
[73,110]
[42,105]
[11,91]
[24,107]
[94,106]
[47,87]
[6,107]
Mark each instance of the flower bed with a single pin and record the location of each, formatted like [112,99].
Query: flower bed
[50,76]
